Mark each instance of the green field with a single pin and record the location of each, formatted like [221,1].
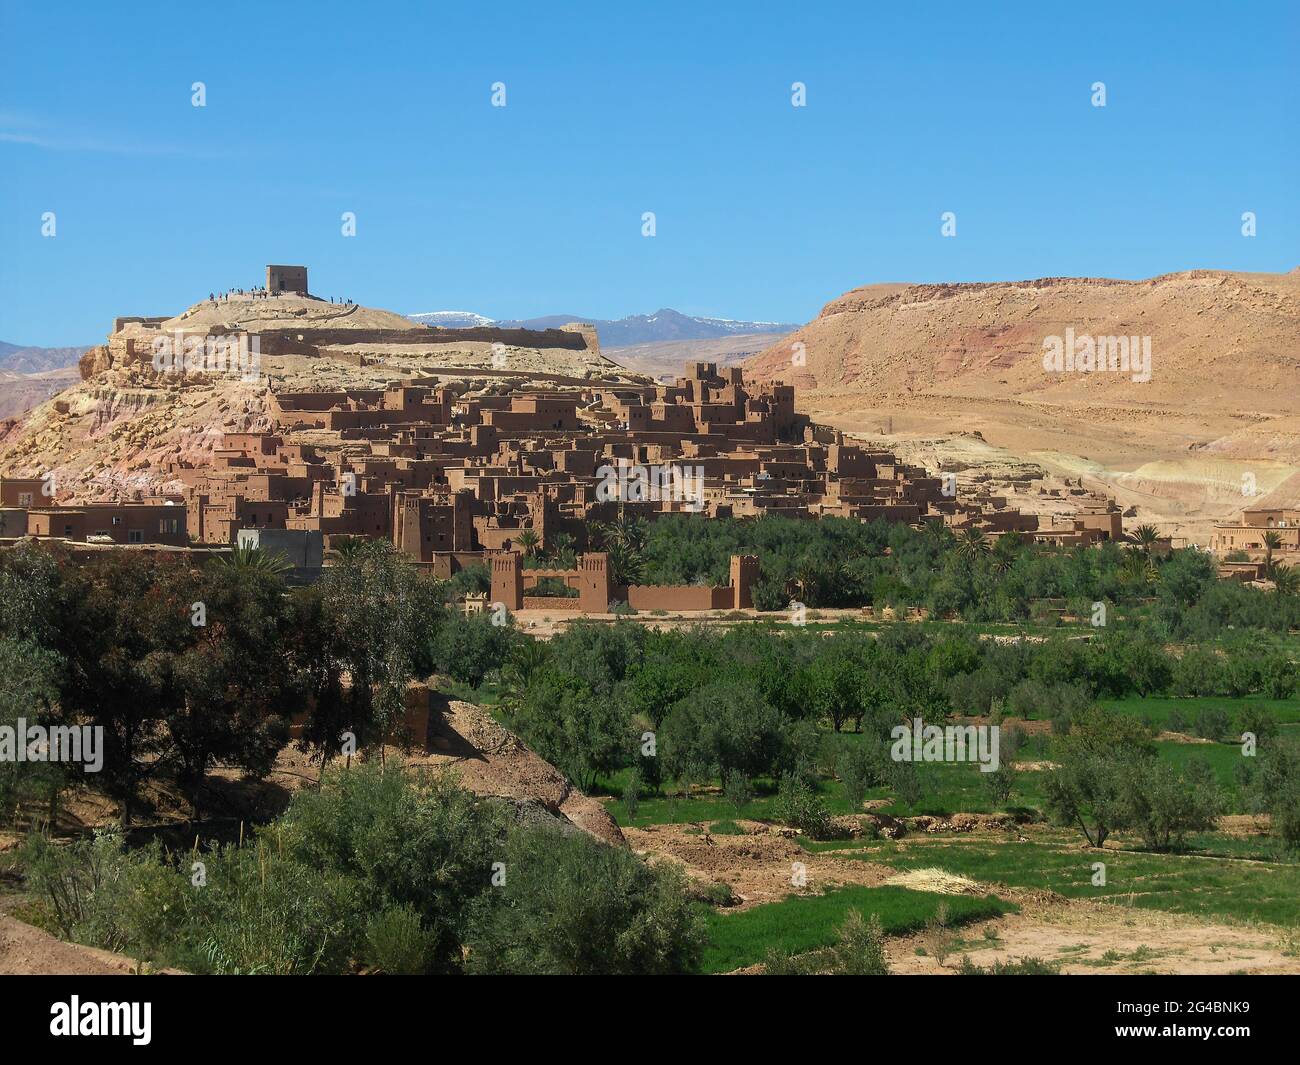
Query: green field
[1158,708]
[1208,886]
[808,922]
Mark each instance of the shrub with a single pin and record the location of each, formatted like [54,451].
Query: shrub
[262,913]
[1011,967]
[861,947]
[429,847]
[468,649]
[1211,723]
[799,806]
[1259,722]
[1278,677]
[905,779]
[632,794]
[572,905]
[1000,782]
[1275,787]
[768,594]
[858,767]
[738,790]
[397,943]
[1164,803]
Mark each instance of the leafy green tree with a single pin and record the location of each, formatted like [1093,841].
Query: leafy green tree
[581,732]
[1000,783]
[29,685]
[1088,790]
[124,620]
[379,617]
[725,728]
[1274,788]
[232,675]
[1165,803]
[470,648]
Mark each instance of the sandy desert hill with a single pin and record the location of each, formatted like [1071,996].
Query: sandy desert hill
[931,366]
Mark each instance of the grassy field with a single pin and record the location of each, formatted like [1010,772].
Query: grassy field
[1158,708]
[1208,886]
[807,922]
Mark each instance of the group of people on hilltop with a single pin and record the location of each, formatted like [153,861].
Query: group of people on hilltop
[225,296]
[260,293]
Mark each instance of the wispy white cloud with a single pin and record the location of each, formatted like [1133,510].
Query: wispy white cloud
[21,129]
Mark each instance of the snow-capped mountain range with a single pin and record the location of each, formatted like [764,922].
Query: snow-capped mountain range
[451,319]
[664,324]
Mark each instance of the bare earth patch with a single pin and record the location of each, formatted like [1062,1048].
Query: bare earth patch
[759,867]
[1095,938]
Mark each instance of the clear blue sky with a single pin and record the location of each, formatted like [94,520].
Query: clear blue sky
[764,211]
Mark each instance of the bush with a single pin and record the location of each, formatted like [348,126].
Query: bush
[397,943]
[768,594]
[1275,787]
[905,779]
[469,648]
[1211,723]
[429,848]
[1012,967]
[861,947]
[262,913]
[799,806]
[860,766]
[1257,721]
[632,794]
[572,905]
[738,790]
[1000,782]
[859,950]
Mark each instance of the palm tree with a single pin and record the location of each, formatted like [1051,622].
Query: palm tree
[528,540]
[973,542]
[1286,580]
[561,549]
[938,531]
[1272,541]
[808,578]
[1005,552]
[629,532]
[625,565]
[1138,569]
[525,661]
[246,558]
[1144,537]
[345,548]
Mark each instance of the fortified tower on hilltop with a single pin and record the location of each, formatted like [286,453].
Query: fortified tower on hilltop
[286,279]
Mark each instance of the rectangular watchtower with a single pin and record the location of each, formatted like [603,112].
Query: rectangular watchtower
[286,279]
